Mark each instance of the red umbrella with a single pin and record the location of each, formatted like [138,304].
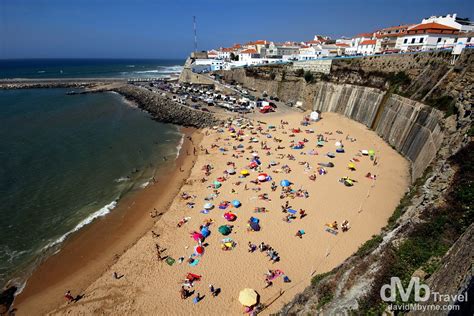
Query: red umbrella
[199,250]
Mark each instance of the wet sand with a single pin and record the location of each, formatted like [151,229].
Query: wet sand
[151,287]
[89,253]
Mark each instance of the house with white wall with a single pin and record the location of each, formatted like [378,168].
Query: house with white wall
[248,54]
[452,20]
[428,36]
[366,47]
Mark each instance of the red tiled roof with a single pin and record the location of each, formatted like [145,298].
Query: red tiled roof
[249,51]
[227,49]
[304,46]
[432,25]
[369,35]
[342,45]
[313,42]
[368,42]
[398,27]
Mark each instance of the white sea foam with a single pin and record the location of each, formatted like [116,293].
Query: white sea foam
[179,146]
[99,213]
[122,179]
[144,185]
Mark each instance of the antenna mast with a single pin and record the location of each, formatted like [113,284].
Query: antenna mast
[195,35]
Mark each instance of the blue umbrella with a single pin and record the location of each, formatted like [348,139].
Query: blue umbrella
[236,203]
[205,231]
[255,226]
[285,183]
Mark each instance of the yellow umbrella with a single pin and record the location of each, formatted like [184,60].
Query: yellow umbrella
[248,297]
[244,172]
[351,166]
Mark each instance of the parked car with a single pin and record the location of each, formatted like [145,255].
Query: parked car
[266,109]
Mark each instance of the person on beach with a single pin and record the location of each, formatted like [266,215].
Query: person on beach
[268,283]
[252,247]
[197,299]
[68,296]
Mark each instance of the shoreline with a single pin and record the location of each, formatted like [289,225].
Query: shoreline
[149,285]
[89,252]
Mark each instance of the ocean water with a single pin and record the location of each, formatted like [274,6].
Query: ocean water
[89,68]
[66,160]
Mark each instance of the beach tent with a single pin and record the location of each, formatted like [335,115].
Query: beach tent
[217,184]
[314,116]
[196,236]
[224,230]
[331,155]
[351,166]
[231,171]
[244,172]
[320,143]
[248,297]
[339,149]
[236,203]
[285,183]
[262,177]
[208,206]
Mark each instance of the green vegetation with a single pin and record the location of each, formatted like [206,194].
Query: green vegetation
[369,245]
[299,72]
[444,103]
[429,240]
[405,201]
[399,79]
[318,277]
[308,76]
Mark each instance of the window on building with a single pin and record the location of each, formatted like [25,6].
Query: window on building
[421,40]
[413,41]
[405,41]
[469,39]
[439,39]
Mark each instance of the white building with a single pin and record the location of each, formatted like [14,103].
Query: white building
[428,36]
[212,54]
[248,54]
[224,53]
[466,39]
[452,20]
[366,47]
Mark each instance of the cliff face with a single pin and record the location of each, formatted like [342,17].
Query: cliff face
[409,126]
[421,105]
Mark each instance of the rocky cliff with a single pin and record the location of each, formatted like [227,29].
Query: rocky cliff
[421,105]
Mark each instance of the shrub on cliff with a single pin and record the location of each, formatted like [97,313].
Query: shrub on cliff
[299,72]
[308,76]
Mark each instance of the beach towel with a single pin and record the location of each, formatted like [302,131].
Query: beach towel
[330,230]
[291,211]
[170,261]
[276,274]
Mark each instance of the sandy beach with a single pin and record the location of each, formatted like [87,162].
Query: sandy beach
[151,286]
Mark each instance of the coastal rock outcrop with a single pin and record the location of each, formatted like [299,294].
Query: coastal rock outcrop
[166,110]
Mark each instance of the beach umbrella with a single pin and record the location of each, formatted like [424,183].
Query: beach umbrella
[224,230]
[236,203]
[351,166]
[285,183]
[205,232]
[364,152]
[208,206]
[254,154]
[255,226]
[253,164]
[331,155]
[262,177]
[199,250]
[217,184]
[230,216]
[248,297]
[338,144]
[339,149]
[244,172]
[231,171]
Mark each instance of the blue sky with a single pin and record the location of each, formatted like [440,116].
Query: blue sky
[163,29]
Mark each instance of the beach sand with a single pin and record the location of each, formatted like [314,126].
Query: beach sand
[151,287]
